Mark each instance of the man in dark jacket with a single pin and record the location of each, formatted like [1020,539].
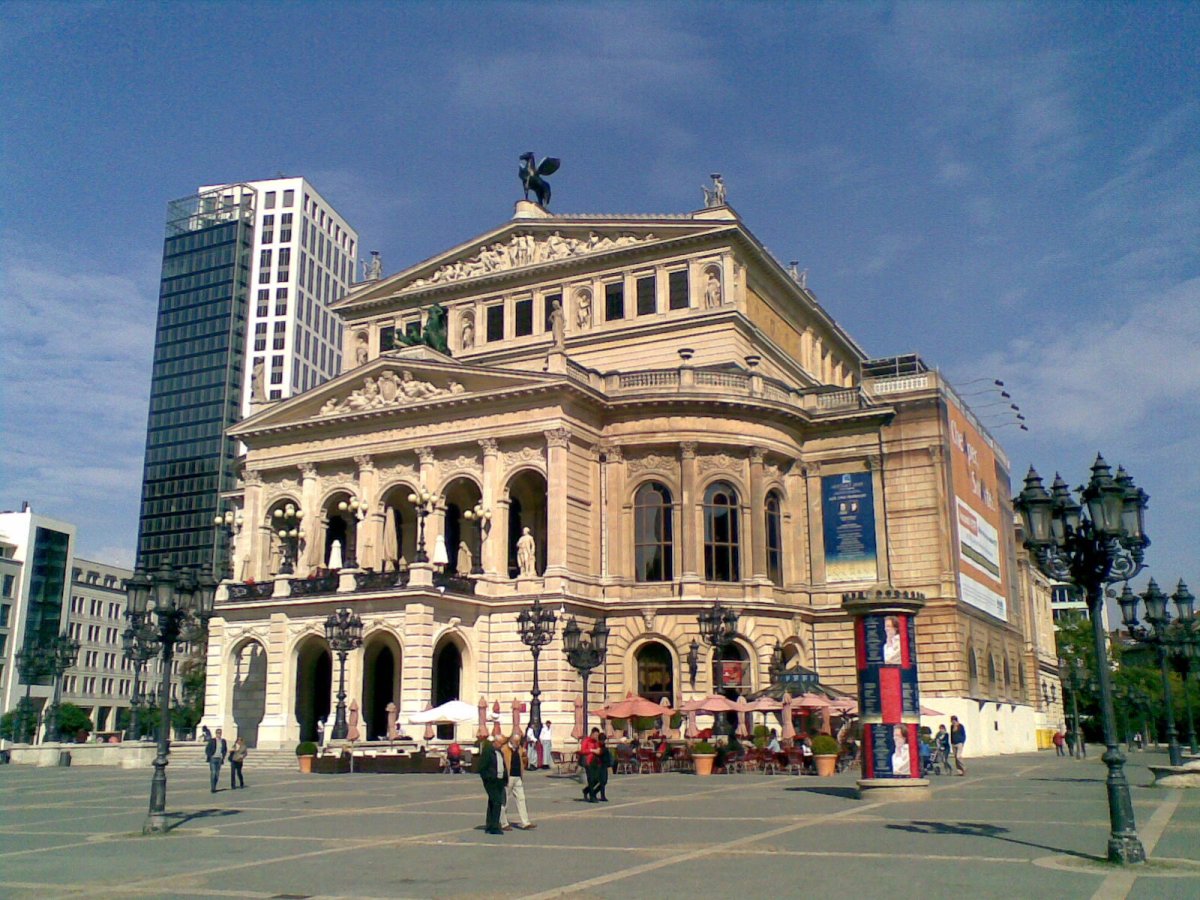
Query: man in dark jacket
[958,739]
[495,781]
[215,751]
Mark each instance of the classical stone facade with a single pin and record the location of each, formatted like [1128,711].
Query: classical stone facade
[675,421]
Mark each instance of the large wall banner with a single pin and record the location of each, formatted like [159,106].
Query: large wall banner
[976,471]
[848,511]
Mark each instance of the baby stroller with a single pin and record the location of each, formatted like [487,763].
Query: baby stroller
[937,762]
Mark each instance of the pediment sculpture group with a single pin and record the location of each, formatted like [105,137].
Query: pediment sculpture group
[528,250]
[389,389]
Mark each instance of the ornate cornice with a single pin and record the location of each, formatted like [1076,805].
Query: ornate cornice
[558,437]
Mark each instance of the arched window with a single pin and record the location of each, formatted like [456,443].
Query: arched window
[1007,679]
[655,670]
[991,675]
[721,552]
[972,672]
[653,547]
[774,536]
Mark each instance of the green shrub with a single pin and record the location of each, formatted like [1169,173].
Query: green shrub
[703,747]
[644,723]
[306,748]
[72,720]
[824,745]
[618,724]
[676,720]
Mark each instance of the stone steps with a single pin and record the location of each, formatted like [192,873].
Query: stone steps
[191,755]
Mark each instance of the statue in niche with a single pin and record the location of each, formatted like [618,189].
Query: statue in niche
[468,331]
[258,391]
[712,290]
[360,349]
[526,554]
[583,309]
[557,324]
[465,561]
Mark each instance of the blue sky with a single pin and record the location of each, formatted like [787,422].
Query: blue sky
[1012,191]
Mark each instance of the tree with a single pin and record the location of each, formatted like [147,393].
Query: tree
[72,720]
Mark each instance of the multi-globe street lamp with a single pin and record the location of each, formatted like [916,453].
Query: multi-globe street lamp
[62,654]
[1070,673]
[230,522]
[358,509]
[139,645]
[482,516]
[286,524]
[585,653]
[1168,640]
[536,626]
[180,603]
[718,627]
[1189,647]
[1099,542]
[343,631]
[423,500]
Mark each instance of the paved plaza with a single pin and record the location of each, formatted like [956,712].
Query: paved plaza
[1027,825]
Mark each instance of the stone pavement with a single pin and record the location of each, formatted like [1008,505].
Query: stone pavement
[1029,825]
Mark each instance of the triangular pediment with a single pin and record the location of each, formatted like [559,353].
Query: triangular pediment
[410,378]
[529,245]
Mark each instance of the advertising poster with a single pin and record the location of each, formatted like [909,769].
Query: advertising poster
[975,473]
[892,751]
[848,512]
[888,696]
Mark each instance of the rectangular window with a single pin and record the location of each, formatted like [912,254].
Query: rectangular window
[270,201]
[264,259]
[285,262]
[280,335]
[289,198]
[285,228]
[548,307]
[523,317]
[413,329]
[5,610]
[677,289]
[264,299]
[387,338]
[614,301]
[495,322]
[276,370]
[268,232]
[281,298]
[260,336]
[646,304]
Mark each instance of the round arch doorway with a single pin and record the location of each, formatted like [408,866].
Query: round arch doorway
[447,680]
[314,686]
[381,682]
[655,672]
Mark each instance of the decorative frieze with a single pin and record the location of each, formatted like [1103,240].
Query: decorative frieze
[524,455]
[388,390]
[719,462]
[652,462]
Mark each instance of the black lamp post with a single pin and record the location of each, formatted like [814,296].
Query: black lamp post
[482,517]
[1188,645]
[536,626]
[585,653]
[718,626]
[693,661]
[63,652]
[230,522]
[1070,673]
[343,630]
[33,663]
[286,524]
[1168,640]
[178,601]
[422,499]
[139,645]
[1102,545]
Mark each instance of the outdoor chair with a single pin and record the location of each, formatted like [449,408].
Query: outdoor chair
[768,762]
[624,760]
[647,762]
[795,762]
[563,765]
[682,760]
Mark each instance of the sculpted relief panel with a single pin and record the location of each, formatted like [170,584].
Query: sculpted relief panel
[388,390]
[527,250]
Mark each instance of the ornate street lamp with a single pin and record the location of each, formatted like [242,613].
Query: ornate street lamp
[230,522]
[536,626]
[1188,646]
[62,654]
[1168,640]
[718,626]
[585,653]
[1070,673]
[358,509]
[423,499]
[139,645]
[1092,547]
[286,524]
[33,663]
[693,661]
[343,630]
[180,602]
[483,516]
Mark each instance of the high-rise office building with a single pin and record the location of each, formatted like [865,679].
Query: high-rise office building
[249,271]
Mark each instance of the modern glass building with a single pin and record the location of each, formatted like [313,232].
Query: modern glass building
[249,273]
[196,382]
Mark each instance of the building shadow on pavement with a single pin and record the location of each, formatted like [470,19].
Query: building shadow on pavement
[846,793]
[177,819]
[1096,780]
[981,830]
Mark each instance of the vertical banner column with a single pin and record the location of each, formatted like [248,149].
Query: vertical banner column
[889,699]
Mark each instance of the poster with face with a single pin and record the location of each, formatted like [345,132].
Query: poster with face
[892,750]
[885,639]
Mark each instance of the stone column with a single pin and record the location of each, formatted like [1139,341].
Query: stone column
[558,448]
[493,539]
[756,530]
[249,546]
[619,535]
[369,536]
[278,727]
[690,531]
[314,528]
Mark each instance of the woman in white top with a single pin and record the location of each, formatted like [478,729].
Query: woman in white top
[891,647]
[901,761]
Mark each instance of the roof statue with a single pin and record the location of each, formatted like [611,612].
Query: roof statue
[715,195]
[434,333]
[373,270]
[532,179]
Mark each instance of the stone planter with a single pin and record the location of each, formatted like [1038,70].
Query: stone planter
[306,763]
[703,762]
[826,764]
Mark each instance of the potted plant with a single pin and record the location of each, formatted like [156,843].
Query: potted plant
[703,754]
[306,752]
[825,752]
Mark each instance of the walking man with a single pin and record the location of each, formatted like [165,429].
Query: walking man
[515,794]
[215,751]
[547,741]
[958,737]
[495,779]
[589,752]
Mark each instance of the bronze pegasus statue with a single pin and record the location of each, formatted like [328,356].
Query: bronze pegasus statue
[533,178]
